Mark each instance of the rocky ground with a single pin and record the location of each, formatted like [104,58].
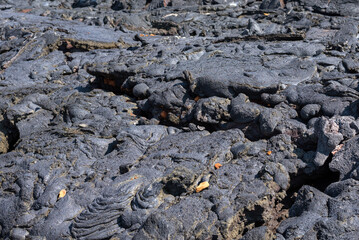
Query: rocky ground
[179,119]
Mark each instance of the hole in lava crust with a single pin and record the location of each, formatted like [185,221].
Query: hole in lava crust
[320,179]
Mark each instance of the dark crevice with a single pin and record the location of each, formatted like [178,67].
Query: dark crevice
[254,216]
[11,133]
[67,47]
[111,147]
[333,14]
[174,188]
[111,82]
[80,4]
[125,168]
[268,37]
[195,125]
[320,179]
[13,139]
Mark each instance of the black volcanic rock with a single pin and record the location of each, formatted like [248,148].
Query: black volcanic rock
[179,119]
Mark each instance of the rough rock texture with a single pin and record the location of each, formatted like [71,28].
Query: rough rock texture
[179,119]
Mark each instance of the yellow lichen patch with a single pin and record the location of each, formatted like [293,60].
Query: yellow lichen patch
[62,194]
[269,152]
[266,14]
[201,186]
[217,165]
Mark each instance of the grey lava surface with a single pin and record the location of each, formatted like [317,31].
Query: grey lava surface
[179,119]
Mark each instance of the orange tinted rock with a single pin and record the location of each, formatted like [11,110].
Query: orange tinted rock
[201,186]
[62,194]
[217,165]
[109,82]
[163,114]
[26,10]
[68,45]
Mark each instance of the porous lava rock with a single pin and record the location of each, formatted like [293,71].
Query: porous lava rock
[179,119]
